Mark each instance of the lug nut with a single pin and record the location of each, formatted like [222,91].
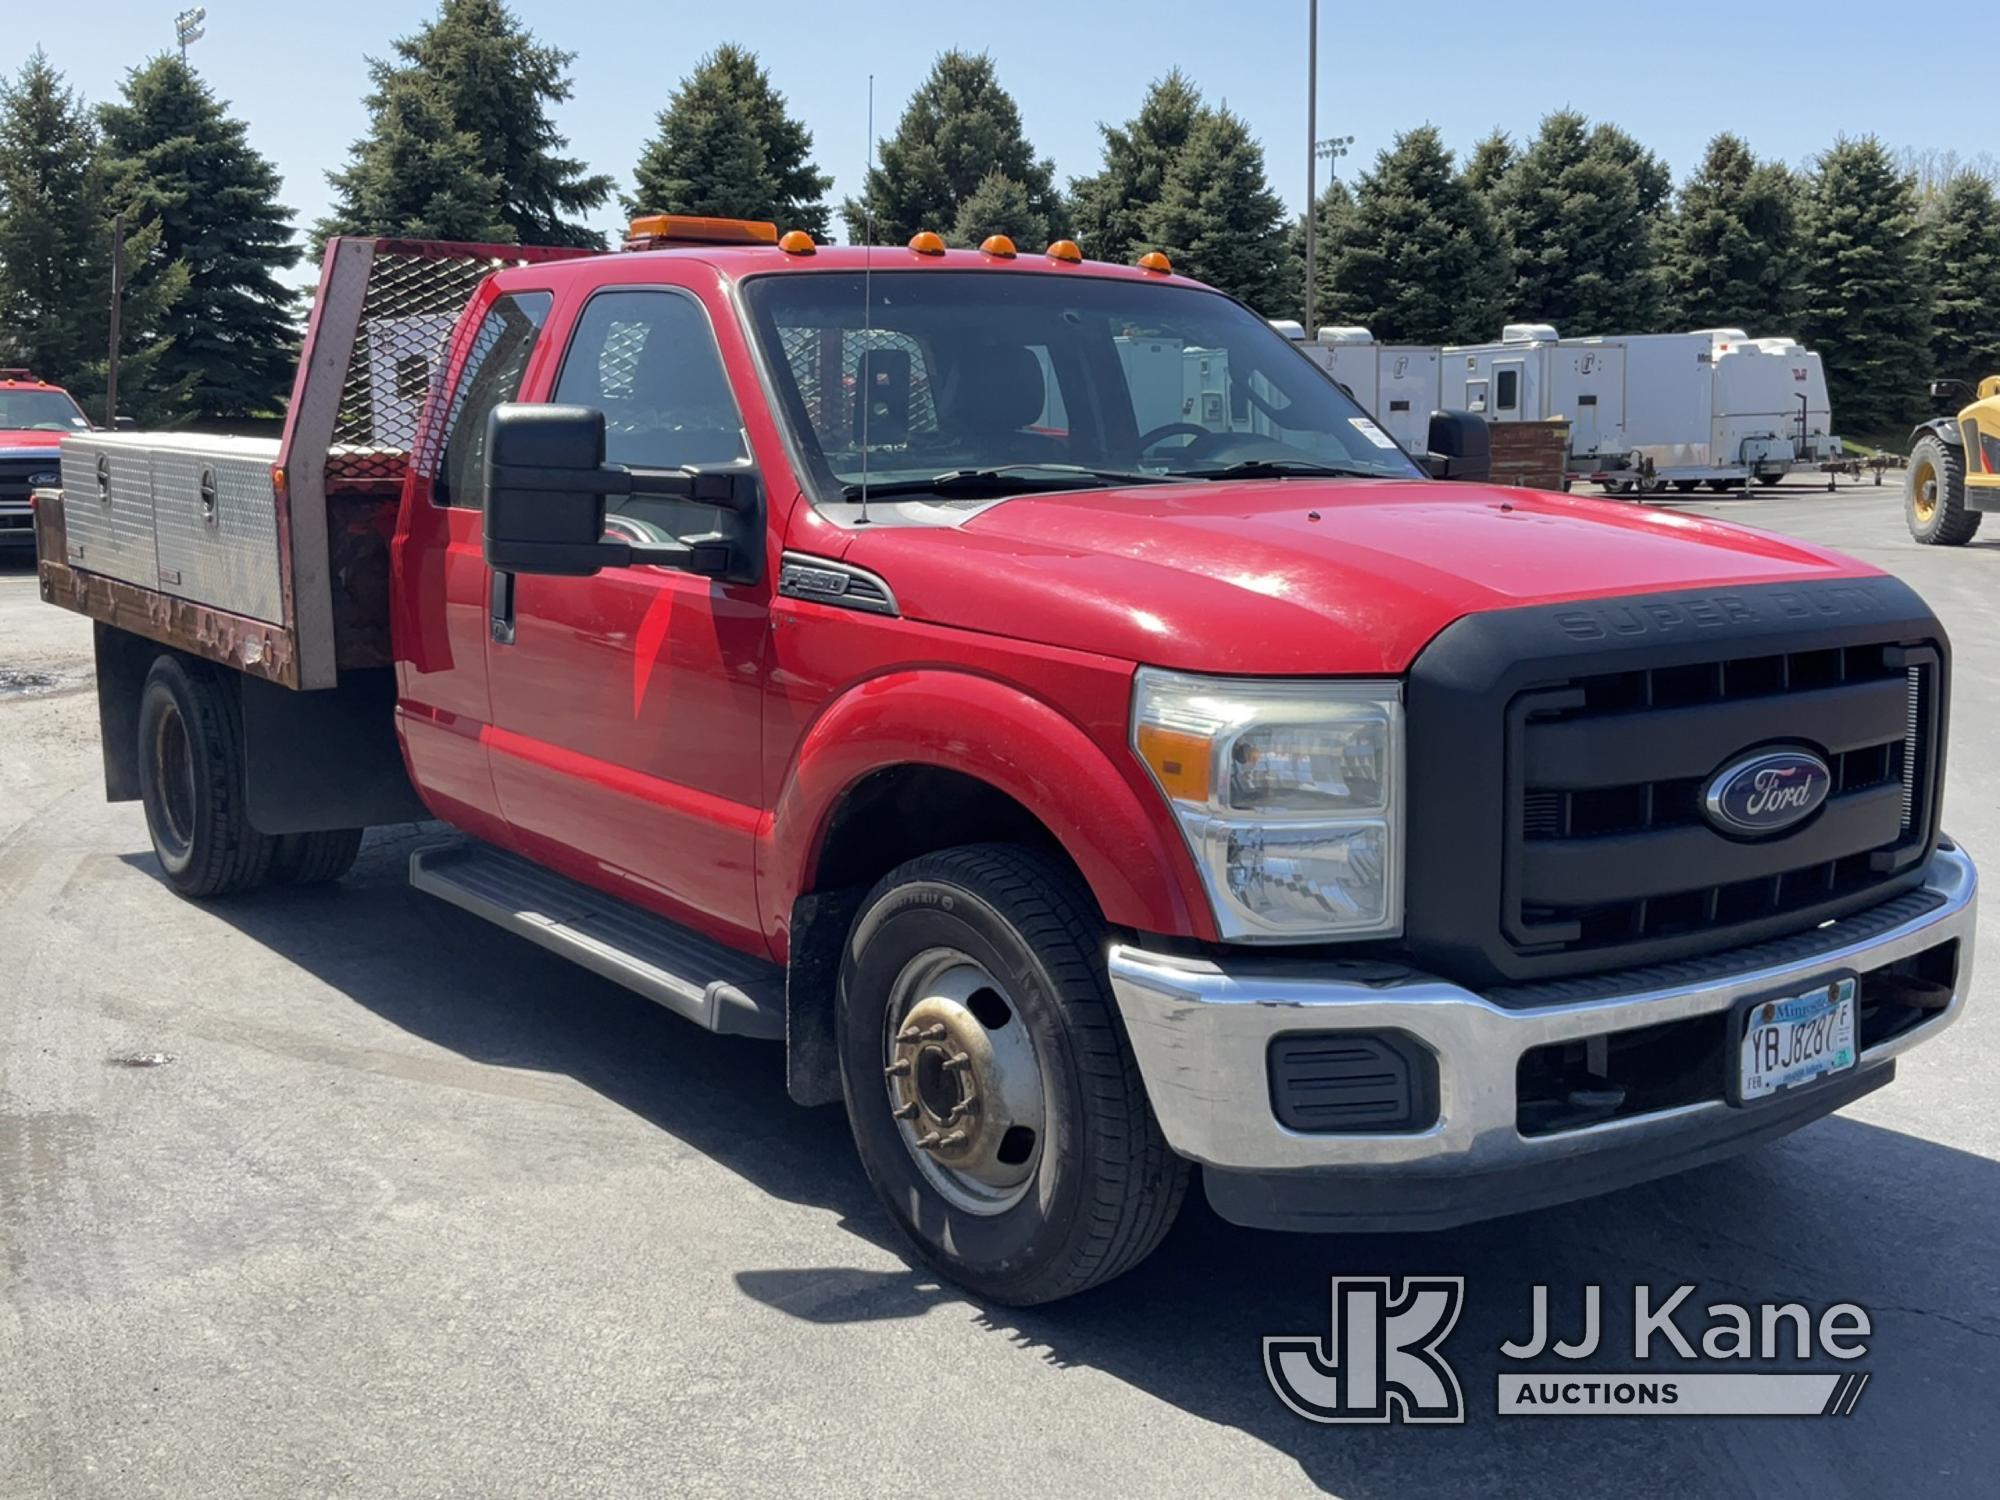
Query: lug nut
[900,1068]
[905,1111]
[952,1138]
[934,1032]
[929,1140]
[959,1111]
[910,1034]
[958,1062]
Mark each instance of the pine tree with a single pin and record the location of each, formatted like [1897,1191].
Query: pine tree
[959,126]
[180,162]
[1574,209]
[1961,256]
[1335,212]
[1866,307]
[1728,257]
[460,144]
[1420,260]
[56,208]
[1000,205]
[415,174]
[1109,208]
[1489,162]
[53,238]
[727,146]
[1218,219]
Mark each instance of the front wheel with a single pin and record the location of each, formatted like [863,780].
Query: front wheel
[1934,495]
[994,1100]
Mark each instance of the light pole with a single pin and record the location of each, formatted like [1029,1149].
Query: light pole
[1312,147]
[188,28]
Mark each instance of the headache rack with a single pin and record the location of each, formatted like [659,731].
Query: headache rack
[271,555]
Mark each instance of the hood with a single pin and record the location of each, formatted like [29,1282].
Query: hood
[1297,576]
[13,438]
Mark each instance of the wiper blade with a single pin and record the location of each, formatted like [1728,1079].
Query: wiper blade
[1003,479]
[1281,468]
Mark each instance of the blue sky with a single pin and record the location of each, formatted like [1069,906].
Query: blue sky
[1672,76]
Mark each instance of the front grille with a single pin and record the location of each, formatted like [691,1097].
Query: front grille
[1559,756]
[14,474]
[1610,845]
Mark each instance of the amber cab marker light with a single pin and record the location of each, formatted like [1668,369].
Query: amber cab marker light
[1152,260]
[1066,250]
[797,242]
[997,244]
[927,242]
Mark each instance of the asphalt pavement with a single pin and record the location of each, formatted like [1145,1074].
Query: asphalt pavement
[342,1192]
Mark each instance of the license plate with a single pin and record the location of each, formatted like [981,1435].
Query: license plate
[1793,1040]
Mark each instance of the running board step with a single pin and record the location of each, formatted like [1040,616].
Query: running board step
[689,974]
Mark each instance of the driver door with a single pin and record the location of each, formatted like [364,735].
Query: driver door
[627,706]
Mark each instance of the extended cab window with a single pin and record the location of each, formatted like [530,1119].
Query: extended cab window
[648,361]
[492,374]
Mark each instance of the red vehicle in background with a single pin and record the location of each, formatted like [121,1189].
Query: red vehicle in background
[1034,693]
[34,415]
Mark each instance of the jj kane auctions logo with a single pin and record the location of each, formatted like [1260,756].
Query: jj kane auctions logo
[1382,1358]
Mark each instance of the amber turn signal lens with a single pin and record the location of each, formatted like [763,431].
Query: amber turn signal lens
[997,244]
[927,242]
[1152,260]
[1066,250]
[796,242]
[1178,759]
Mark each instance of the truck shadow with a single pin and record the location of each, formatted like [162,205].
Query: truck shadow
[1845,1211]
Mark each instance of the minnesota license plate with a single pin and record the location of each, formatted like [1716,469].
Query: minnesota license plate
[1797,1039]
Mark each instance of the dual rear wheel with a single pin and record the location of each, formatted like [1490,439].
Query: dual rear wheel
[191,784]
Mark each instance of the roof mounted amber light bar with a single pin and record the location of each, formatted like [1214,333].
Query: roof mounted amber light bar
[664,231]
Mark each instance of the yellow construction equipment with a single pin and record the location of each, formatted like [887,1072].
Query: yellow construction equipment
[1954,474]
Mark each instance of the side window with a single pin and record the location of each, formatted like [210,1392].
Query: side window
[491,375]
[648,361]
[1506,390]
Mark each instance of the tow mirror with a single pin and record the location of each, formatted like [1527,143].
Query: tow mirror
[546,483]
[1946,390]
[1460,447]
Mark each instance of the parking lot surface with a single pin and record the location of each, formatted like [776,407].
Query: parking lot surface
[343,1192]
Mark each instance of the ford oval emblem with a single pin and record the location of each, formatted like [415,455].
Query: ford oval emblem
[1767,792]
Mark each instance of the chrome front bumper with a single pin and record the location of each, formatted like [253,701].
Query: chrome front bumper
[1202,1030]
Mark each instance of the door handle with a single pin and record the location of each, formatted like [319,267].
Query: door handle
[500,606]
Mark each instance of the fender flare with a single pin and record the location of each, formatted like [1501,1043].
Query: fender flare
[1114,828]
[1944,429]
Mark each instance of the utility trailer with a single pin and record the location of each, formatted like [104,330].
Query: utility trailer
[1532,376]
[1397,384]
[270,557]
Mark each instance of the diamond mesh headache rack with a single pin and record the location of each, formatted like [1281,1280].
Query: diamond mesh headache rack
[410,295]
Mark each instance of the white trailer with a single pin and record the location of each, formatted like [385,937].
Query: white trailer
[1396,384]
[1532,375]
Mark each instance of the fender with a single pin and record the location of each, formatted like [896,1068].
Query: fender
[1111,823]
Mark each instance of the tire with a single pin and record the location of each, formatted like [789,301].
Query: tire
[191,782]
[1686,486]
[999,948]
[315,858]
[1767,480]
[1934,495]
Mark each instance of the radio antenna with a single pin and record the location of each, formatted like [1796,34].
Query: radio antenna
[862,389]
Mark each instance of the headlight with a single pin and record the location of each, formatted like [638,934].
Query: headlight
[1288,793]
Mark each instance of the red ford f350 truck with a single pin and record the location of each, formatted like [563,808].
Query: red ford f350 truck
[1037,696]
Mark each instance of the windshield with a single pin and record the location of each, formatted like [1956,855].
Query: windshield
[1059,381]
[39,411]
